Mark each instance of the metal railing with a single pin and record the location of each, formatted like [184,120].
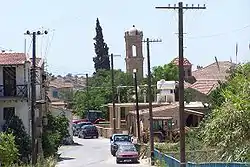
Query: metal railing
[15,91]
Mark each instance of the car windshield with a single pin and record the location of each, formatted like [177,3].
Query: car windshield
[89,127]
[124,148]
[79,125]
[122,138]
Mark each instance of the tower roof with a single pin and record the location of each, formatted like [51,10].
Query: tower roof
[186,62]
[133,31]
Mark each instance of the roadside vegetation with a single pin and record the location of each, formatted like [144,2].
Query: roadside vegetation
[15,143]
[224,133]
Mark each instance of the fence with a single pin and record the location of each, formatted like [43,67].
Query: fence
[172,162]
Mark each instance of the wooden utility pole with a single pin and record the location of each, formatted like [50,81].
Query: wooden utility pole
[33,98]
[113,90]
[180,8]
[148,41]
[87,91]
[137,107]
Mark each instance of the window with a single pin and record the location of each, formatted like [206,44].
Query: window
[55,94]
[8,112]
[189,72]
[134,51]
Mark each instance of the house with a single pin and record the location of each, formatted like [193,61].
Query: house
[202,81]
[15,88]
[194,112]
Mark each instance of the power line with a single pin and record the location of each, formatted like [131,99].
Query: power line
[220,34]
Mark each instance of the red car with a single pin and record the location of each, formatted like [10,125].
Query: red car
[79,120]
[127,152]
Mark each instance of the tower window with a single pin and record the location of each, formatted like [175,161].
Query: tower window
[189,72]
[134,51]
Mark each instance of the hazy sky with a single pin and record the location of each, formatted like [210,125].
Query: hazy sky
[209,33]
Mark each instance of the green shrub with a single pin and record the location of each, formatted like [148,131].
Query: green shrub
[49,162]
[54,134]
[15,126]
[8,149]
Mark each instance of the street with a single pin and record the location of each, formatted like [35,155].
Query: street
[90,153]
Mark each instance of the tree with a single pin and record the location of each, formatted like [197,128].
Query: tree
[8,149]
[101,61]
[168,72]
[54,133]
[100,92]
[14,125]
[227,128]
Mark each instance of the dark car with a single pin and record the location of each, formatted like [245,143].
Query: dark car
[88,131]
[78,127]
[127,152]
[116,140]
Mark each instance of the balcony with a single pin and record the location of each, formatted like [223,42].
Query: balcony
[16,91]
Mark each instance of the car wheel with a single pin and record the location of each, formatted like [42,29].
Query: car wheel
[117,160]
[84,136]
[79,136]
[97,136]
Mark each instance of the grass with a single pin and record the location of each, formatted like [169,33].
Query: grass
[50,162]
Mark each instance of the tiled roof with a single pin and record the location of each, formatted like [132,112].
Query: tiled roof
[207,78]
[186,62]
[168,107]
[213,71]
[204,86]
[12,58]
[57,84]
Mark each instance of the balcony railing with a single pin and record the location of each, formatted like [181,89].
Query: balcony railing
[17,91]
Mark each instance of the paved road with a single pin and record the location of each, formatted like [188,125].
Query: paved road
[90,153]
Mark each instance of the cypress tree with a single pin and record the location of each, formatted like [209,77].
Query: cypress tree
[101,60]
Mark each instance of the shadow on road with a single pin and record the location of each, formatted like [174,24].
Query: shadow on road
[64,159]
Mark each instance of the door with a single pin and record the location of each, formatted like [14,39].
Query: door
[9,81]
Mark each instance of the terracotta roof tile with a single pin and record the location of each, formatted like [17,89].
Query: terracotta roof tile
[12,58]
[214,71]
[186,62]
[57,84]
[204,86]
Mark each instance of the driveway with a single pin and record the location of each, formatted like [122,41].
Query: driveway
[90,153]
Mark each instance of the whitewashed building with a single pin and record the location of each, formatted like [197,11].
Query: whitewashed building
[15,87]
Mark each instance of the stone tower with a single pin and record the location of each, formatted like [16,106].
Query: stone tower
[134,57]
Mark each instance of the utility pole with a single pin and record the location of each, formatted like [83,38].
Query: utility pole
[113,90]
[150,100]
[33,96]
[87,91]
[180,8]
[137,107]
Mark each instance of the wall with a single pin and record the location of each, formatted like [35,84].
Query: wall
[68,114]
[22,111]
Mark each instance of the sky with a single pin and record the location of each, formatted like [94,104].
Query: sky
[68,48]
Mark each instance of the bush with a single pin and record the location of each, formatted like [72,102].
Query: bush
[14,125]
[8,149]
[54,134]
[49,162]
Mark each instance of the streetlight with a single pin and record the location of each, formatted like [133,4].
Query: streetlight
[33,94]
[137,105]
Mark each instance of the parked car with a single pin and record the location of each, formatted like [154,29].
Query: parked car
[127,152]
[78,127]
[116,140]
[88,131]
